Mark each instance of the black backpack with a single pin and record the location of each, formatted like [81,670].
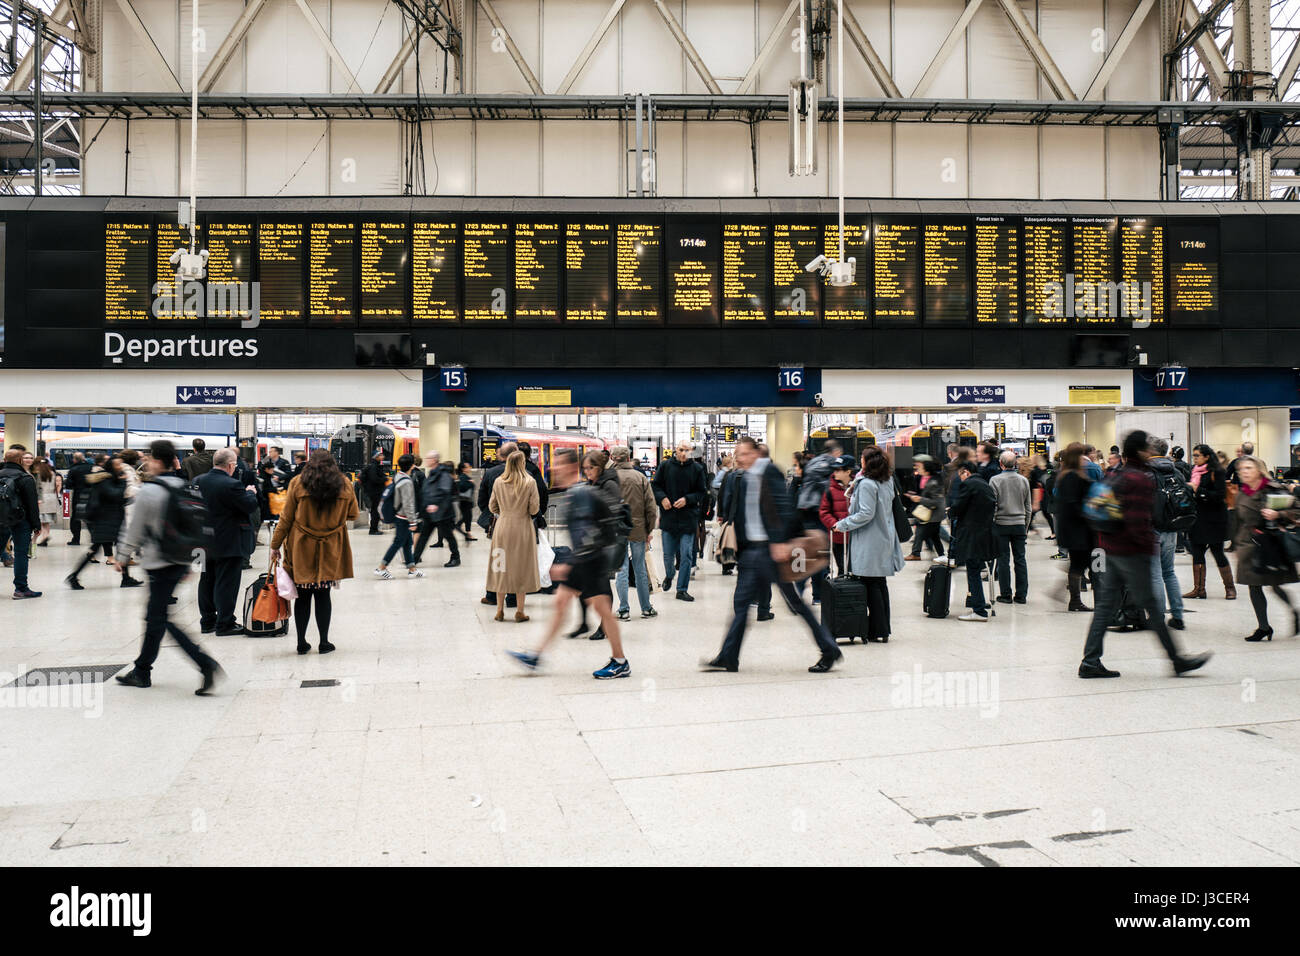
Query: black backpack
[11,505]
[184,529]
[1175,503]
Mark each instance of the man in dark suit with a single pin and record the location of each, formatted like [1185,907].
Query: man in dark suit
[765,520]
[973,545]
[229,504]
[76,485]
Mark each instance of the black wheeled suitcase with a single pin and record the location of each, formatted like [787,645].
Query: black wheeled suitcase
[257,628]
[938,590]
[844,605]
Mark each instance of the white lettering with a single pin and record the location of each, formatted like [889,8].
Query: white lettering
[133,910]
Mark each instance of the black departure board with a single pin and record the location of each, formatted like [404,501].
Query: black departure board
[947,272]
[847,303]
[385,265]
[587,272]
[693,266]
[127,271]
[746,246]
[897,262]
[1142,271]
[638,258]
[435,268]
[168,237]
[330,272]
[796,292]
[230,264]
[1192,251]
[486,256]
[997,270]
[1047,260]
[1093,269]
[537,273]
[280,270]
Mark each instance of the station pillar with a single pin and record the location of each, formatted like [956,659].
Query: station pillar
[1268,429]
[20,430]
[785,435]
[440,432]
[1069,428]
[1099,426]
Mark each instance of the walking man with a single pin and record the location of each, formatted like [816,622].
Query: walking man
[680,490]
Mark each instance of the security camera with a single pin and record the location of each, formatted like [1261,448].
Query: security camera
[1137,355]
[836,273]
[820,264]
[817,400]
[190,266]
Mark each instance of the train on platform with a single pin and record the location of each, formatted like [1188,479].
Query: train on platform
[60,450]
[904,444]
[851,438]
[353,446]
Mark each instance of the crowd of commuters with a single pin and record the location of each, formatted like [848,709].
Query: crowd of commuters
[975,512]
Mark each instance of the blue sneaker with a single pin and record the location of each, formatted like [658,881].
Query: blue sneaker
[528,661]
[613,669]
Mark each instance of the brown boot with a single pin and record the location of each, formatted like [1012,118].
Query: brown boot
[1198,578]
[1229,589]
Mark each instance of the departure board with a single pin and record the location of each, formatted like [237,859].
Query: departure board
[796,292]
[330,272]
[168,237]
[693,265]
[746,246]
[947,272]
[847,303]
[1093,268]
[587,272]
[1192,250]
[997,270]
[435,267]
[1047,260]
[279,264]
[486,252]
[230,263]
[384,262]
[126,271]
[1141,271]
[638,257]
[897,262]
[537,273]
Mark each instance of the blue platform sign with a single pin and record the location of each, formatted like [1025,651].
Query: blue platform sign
[454,378]
[1172,378]
[790,378]
[976,394]
[205,395]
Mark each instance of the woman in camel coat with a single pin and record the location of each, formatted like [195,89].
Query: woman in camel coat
[513,564]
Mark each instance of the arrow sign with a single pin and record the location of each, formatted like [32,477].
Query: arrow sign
[205,395]
[976,394]
[955,395]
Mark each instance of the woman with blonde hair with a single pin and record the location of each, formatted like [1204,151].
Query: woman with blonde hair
[512,567]
[1254,514]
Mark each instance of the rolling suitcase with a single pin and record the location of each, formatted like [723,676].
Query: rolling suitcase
[938,590]
[257,628]
[844,605]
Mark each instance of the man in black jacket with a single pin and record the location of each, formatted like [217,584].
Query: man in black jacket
[76,485]
[973,544]
[229,505]
[765,521]
[198,463]
[680,490]
[23,509]
[437,497]
[374,478]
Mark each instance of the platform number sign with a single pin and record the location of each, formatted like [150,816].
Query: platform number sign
[790,378]
[454,378]
[1171,378]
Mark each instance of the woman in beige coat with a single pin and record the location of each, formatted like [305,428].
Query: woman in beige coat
[513,564]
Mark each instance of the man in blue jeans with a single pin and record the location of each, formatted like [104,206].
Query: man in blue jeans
[22,514]
[680,490]
[640,501]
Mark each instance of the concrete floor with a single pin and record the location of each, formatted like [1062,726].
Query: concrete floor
[953,745]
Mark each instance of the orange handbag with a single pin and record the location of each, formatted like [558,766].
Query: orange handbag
[270,608]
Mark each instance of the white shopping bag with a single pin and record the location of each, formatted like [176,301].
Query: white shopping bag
[545,558]
[284,585]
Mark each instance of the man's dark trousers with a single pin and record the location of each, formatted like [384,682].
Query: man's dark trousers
[1010,540]
[756,573]
[219,592]
[162,583]
[1131,573]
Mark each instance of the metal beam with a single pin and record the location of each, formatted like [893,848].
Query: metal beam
[947,46]
[1034,44]
[226,51]
[146,39]
[500,29]
[874,63]
[395,68]
[1216,67]
[580,63]
[22,77]
[1098,85]
[327,43]
[768,48]
[684,42]
[1286,76]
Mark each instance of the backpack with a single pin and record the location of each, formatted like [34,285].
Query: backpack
[1175,504]
[388,501]
[816,479]
[11,506]
[185,523]
[1101,507]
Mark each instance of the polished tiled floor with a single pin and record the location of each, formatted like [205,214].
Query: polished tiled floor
[953,745]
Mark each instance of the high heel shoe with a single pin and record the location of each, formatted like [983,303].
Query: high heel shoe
[1261,634]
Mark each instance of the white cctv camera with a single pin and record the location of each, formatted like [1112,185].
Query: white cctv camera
[190,266]
[836,273]
[820,264]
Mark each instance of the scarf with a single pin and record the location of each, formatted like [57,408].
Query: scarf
[1248,491]
[1197,473]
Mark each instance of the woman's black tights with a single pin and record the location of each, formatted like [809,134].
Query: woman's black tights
[302,612]
[1215,548]
[1260,603]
